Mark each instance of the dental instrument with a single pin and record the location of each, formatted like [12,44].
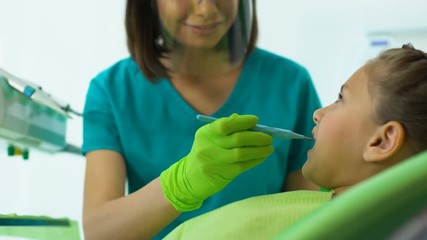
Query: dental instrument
[273,131]
[32,118]
[36,93]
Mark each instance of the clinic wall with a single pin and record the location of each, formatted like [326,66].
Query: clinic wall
[61,45]
[332,38]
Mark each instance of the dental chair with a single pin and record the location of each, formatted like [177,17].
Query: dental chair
[390,205]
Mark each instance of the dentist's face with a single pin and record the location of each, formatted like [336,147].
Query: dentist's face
[342,131]
[197,23]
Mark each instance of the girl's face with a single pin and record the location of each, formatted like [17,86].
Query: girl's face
[342,131]
[197,23]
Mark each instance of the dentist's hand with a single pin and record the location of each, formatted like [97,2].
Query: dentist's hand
[221,151]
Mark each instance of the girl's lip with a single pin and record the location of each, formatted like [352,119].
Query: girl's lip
[313,134]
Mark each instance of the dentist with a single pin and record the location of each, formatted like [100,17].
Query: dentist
[151,164]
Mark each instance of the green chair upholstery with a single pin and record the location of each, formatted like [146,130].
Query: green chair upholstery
[261,217]
[374,209]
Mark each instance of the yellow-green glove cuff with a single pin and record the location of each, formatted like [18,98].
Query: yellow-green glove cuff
[171,181]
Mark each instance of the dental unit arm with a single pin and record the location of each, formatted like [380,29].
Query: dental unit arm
[32,118]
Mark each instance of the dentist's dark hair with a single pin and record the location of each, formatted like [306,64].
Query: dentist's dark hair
[143,28]
[398,80]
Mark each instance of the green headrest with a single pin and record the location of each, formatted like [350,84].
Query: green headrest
[374,209]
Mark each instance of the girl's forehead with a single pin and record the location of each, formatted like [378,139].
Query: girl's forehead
[358,84]
[358,77]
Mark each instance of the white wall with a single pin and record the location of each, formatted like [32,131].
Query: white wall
[331,37]
[61,45]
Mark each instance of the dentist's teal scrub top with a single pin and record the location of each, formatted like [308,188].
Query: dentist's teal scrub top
[152,126]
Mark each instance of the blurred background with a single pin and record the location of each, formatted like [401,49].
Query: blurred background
[61,45]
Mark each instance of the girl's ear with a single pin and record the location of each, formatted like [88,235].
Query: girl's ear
[385,142]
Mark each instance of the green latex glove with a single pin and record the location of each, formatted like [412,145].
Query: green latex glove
[221,151]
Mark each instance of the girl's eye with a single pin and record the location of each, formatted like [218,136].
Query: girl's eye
[339,97]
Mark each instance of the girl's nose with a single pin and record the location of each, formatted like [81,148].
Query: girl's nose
[317,115]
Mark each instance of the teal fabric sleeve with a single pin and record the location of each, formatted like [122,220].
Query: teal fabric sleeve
[99,122]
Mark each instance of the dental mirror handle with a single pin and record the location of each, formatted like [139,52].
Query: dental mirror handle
[275,132]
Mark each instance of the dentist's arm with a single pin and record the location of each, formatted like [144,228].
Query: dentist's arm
[109,214]
[221,151]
